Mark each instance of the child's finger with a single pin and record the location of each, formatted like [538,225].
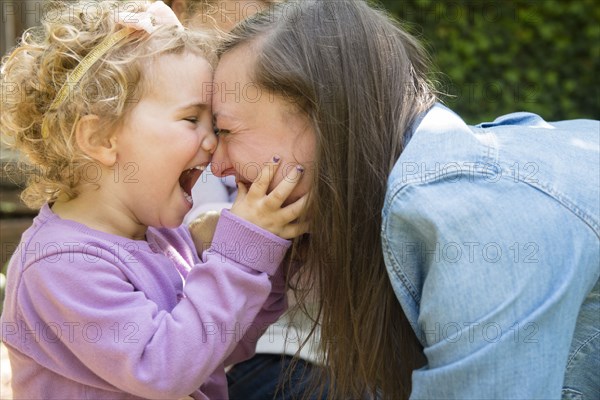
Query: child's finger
[242,192]
[242,189]
[293,211]
[283,189]
[261,185]
[294,230]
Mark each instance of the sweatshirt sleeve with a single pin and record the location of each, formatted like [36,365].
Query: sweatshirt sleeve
[117,334]
[276,302]
[275,305]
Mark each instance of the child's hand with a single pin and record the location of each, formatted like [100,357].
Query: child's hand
[265,210]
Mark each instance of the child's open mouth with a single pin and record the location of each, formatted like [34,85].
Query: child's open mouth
[188,179]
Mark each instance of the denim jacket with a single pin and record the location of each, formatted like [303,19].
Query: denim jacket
[491,239]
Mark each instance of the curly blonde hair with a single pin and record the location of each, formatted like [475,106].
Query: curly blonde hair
[37,68]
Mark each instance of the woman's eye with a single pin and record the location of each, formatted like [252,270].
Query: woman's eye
[220,132]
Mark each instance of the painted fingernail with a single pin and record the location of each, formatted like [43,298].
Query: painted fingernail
[276,159]
[300,169]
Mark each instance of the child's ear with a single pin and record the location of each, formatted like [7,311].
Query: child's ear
[93,143]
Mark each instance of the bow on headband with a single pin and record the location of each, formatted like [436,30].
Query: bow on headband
[156,15]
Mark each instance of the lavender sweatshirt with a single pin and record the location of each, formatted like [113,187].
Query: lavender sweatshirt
[92,315]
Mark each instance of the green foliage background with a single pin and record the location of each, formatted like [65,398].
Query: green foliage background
[496,57]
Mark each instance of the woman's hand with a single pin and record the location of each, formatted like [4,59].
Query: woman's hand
[265,210]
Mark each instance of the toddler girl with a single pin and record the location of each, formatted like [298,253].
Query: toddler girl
[106,295]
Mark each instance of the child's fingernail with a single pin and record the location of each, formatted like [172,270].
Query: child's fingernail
[300,169]
[276,159]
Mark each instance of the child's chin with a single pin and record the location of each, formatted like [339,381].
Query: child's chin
[171,223]
[174,224]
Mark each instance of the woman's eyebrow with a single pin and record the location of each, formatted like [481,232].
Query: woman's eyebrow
[218,114]
[226,116]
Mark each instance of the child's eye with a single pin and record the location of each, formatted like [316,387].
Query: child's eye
[193,120]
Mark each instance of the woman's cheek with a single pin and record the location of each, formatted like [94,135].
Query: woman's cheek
[250,171]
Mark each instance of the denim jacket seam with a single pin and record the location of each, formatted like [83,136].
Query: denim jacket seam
[563,200]
[399,271]
[491,147]
[395,189]
[567,203]
[488,156]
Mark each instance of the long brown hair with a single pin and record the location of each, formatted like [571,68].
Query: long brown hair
[362,80]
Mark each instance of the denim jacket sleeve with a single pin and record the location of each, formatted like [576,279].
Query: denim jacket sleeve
[489,261]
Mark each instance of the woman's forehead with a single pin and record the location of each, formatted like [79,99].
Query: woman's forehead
[238,61]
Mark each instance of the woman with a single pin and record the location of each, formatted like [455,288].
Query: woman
[428,237]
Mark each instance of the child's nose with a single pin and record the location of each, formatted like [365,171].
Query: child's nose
[209,143]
